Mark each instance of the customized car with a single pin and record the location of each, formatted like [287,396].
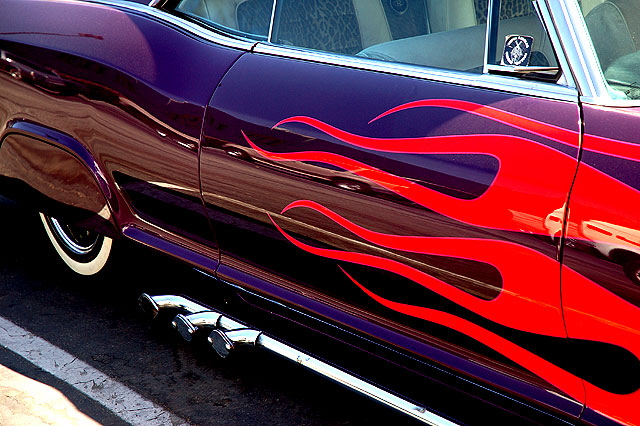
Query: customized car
[370,186]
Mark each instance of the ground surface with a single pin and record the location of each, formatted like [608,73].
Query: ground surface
[95,323]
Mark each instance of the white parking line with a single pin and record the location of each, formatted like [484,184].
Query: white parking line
[116,397]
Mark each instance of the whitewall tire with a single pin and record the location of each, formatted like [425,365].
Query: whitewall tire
[85,252]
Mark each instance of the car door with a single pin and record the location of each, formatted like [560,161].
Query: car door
[600,279]
[395,175]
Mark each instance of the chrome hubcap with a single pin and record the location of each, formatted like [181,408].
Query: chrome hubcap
[76,240]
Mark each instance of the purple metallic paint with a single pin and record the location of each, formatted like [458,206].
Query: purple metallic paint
[127,95]
[128,73]
[254,103]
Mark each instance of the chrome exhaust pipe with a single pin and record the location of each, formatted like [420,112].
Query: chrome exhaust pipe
[152,305]
[228,334]
[225,342]
[187,325]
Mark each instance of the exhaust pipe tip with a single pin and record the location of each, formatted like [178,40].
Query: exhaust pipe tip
[221,343]
[225,342]
[184,327]
[148,306]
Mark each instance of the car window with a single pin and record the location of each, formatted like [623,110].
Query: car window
[249,18]
[522,40]
[614,27]
[447,34]
[437,33]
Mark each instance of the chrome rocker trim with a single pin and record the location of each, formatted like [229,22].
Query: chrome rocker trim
[227,334]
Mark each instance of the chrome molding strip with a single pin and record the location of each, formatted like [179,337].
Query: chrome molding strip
[576,44]
[556,42]
[485,81]
[582,73]
[227,333]
[271,21]
[487,36]
[195,29]
[491,82]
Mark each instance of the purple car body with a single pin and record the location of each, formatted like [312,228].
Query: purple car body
[469,226]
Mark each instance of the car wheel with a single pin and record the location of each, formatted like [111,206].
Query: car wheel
[85,252]
[632,271]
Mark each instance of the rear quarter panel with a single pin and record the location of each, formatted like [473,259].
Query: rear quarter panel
[130,88]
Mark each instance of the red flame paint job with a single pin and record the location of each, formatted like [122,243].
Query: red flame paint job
[525,302]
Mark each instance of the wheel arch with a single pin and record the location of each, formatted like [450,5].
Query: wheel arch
[55,174]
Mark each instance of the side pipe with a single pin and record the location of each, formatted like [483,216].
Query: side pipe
[152,305]
[228,334]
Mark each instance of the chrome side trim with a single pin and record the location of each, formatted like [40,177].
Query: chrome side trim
[484,81]
[228,333]
[195,29]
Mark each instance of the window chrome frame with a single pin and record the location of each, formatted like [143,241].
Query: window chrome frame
[578,50]
[486,81]
[563,20]
[490,32]
[582,57]
[565,89]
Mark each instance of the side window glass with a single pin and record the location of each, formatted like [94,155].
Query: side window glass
[521,39]
[614,27]
[247,18]
[434,33]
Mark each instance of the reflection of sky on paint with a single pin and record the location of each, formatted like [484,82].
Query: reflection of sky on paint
[128,46]
[460,166]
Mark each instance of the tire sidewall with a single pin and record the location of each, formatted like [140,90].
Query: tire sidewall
[89,265]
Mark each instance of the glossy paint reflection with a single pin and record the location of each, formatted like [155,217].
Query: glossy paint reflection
[417,252]
[121,99]
[603,233]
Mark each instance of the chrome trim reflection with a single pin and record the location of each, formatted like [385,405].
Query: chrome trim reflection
[554,37]
[487,36]
[68,242]
[578,49]
[485,81]
[271,22]
[195,29]
[229,333]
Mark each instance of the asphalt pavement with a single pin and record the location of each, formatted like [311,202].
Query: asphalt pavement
[75,350]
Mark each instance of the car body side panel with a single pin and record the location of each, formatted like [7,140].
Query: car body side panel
[53,181]
[131,89]
[600,281]
[416,205]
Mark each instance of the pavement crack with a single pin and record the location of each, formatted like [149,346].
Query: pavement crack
[70,362]
[129,410]
[25,334]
